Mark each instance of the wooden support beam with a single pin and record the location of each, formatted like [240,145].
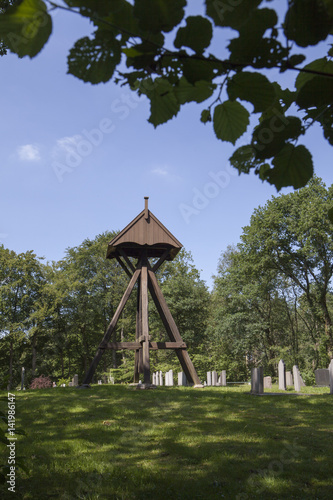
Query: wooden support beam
[118,346]
[145,326]
[111,327]
[127,271]
[126,259]
[171,327]
[138,354]
[160,261]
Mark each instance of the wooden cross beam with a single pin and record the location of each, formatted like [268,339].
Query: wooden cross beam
[118,346]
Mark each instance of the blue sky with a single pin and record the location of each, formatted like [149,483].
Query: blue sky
[113,158]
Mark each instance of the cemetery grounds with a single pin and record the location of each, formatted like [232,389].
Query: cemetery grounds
[115,442]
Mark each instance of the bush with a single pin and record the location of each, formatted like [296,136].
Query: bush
[41,383]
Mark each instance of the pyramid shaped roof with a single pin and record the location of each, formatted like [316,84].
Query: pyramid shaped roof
[144,232]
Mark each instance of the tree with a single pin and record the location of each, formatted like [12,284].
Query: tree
[131,43]
[293,236]
[21,282]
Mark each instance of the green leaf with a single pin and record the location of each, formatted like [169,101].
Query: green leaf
[307,22]
[205,116]
[257,52]
[197,34]
[164,104]
[330,215]
[94,60]
[242,159]
[323,64]
[159,15]
[316,92]
[271,135]
[232,14]
[230,121]
[252,87]
[293,166]
[187,92]
[195,70]
[25,28]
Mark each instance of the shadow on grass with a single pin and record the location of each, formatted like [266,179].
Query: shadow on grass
[173,443]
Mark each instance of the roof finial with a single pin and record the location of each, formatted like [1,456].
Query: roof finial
[146,207]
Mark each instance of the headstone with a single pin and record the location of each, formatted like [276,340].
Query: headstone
[154,378]
[267,382]
[182,378]
[161,378]
[257,382]
[54,384]
[171,377]
[99,382]
[322,376]
[205,383]
[70,384]
[289,379]
[76,380]
[209,378]
[330,369]
[282,375]
[214,378]
[223,378]
[22,378]
[297,379]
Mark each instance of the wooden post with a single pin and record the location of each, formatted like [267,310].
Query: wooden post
[145,326]
[138,352]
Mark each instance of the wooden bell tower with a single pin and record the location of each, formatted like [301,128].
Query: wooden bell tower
[144,238]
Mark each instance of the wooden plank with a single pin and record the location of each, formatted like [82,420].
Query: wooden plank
[111,327]
[161,260]
[129,274]
[167,345]
[145,326]
[138,354]
[171,328]
[118,346]
[126,259]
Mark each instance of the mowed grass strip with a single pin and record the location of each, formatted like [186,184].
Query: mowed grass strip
[115,442]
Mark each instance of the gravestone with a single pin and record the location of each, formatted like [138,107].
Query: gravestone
[99,382]
[322,376]
[282,375]
[289,379]
[297,378]
[70,384]
[330,369]
[214,378]
[257,382]
[22,378]
[160,378]
[182,378]
[223,378]
[169,378]
[154,378]
[75,380]
[209,378]
[267,382]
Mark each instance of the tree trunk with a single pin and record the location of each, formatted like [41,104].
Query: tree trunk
[34,356]
[10,381]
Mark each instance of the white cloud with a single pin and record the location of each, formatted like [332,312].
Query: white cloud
[29,152]
[65,145]
[160,171]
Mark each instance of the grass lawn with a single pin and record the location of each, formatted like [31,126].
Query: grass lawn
[115,442]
